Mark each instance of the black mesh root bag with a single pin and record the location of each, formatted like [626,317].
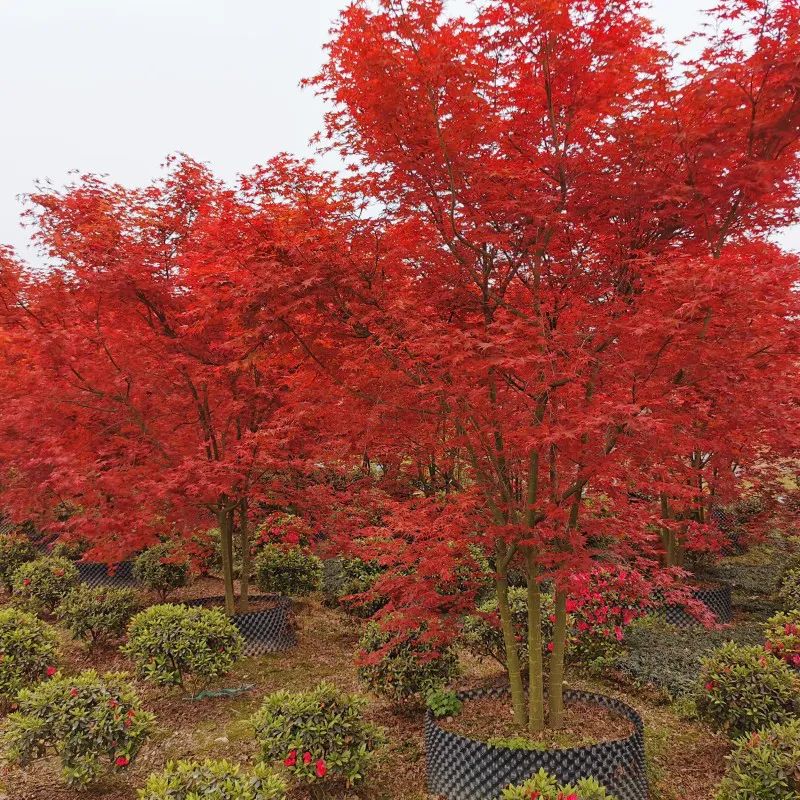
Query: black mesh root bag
[717,598]
[264,632]
[94,574]
[466,769]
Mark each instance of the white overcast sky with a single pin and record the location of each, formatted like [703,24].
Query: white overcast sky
[113,86]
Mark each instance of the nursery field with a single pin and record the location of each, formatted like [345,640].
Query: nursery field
[655,670]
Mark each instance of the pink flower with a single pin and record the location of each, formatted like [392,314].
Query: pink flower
[322,768]
[618,633]
[73,692]
[291,759]
[550,646]
[122,761]
[710,686]
[50,671]
[306,757]
[26,581]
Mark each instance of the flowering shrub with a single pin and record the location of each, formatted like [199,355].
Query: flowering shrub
[15,549]
[346,579]
[403,669]
[602,603]
[213,780]
[27,652]
[99,614]
[172,643]
[85,719]
[482,633]
[161,569]
[764,765]
[544,787]
[782,633]
[42,584]
[290,571]
[443,703]
[319,736]
[790,590]
[285,528]
[743,689]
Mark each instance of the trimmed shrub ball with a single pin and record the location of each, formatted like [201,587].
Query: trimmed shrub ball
[765,765]
[176,644]
[99,614]
[42,584]
[743,689]
[290,571]
[405,669]
[319,736]
[161,569]
[16,549]
[27,652]
[782,634]
[89,721]
[545,787]
[213,780]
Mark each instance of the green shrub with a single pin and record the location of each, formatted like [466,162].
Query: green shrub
[213,780]
[782,634]
[345,577]
[71,550]
[42,584]
[320,736]
[483,636]
[765,765]
[15,549]
[85,719]
[27,652]
[289,571]
[161,569]
[99,614]
[668,658]
[742,689]
[544,787]
[174,644]
[790,590]
[443,703]
[402,670]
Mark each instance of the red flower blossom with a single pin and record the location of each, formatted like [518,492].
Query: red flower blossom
[73,692]
[710,686]
[122,761]
[50,671]
[26,581]
[291,759]
[322,768]
[306,757]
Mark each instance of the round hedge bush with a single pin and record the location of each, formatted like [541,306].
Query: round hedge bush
[87,720]
[290,571]
[406,668]
[16,549]
[213,780]
[99,614]
[320,736]
[42,584]
[483,636]
[764,765]
[782,634]
[161,569]
[345,579]
[790,590]
[545,787]
[27,652]
[744,688]
[175,644]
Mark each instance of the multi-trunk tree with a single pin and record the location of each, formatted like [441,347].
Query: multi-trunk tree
[574,249]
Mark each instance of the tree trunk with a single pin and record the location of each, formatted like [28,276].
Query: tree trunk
[225,524]
[556,687]
[535,672]
[244,577]
[512,653]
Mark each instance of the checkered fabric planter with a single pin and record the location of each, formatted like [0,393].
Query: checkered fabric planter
[264,632]
[717,598]
[93,574]
[466,769]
